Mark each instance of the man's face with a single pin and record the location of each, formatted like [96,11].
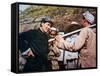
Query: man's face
[53,34]
[83,22]
[46,26]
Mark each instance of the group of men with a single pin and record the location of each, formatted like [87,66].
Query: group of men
[37,49]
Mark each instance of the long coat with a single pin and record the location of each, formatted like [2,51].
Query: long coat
[38,42]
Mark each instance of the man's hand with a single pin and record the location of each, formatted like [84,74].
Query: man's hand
[30,53]
[50,40]
[59,38]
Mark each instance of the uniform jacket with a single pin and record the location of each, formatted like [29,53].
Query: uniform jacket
[85,43]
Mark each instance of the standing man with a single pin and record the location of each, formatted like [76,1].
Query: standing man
[85,42]
[54,52]
[34,43]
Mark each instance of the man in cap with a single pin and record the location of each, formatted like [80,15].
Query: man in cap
[54,52]
[34,44]
[85,43]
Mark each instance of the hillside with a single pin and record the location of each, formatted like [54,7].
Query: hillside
[61,16]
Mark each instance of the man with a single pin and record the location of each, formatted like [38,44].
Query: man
[34,44]
[54,52]
[85,42]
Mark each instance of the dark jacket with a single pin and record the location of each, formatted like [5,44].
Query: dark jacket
[38,42]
